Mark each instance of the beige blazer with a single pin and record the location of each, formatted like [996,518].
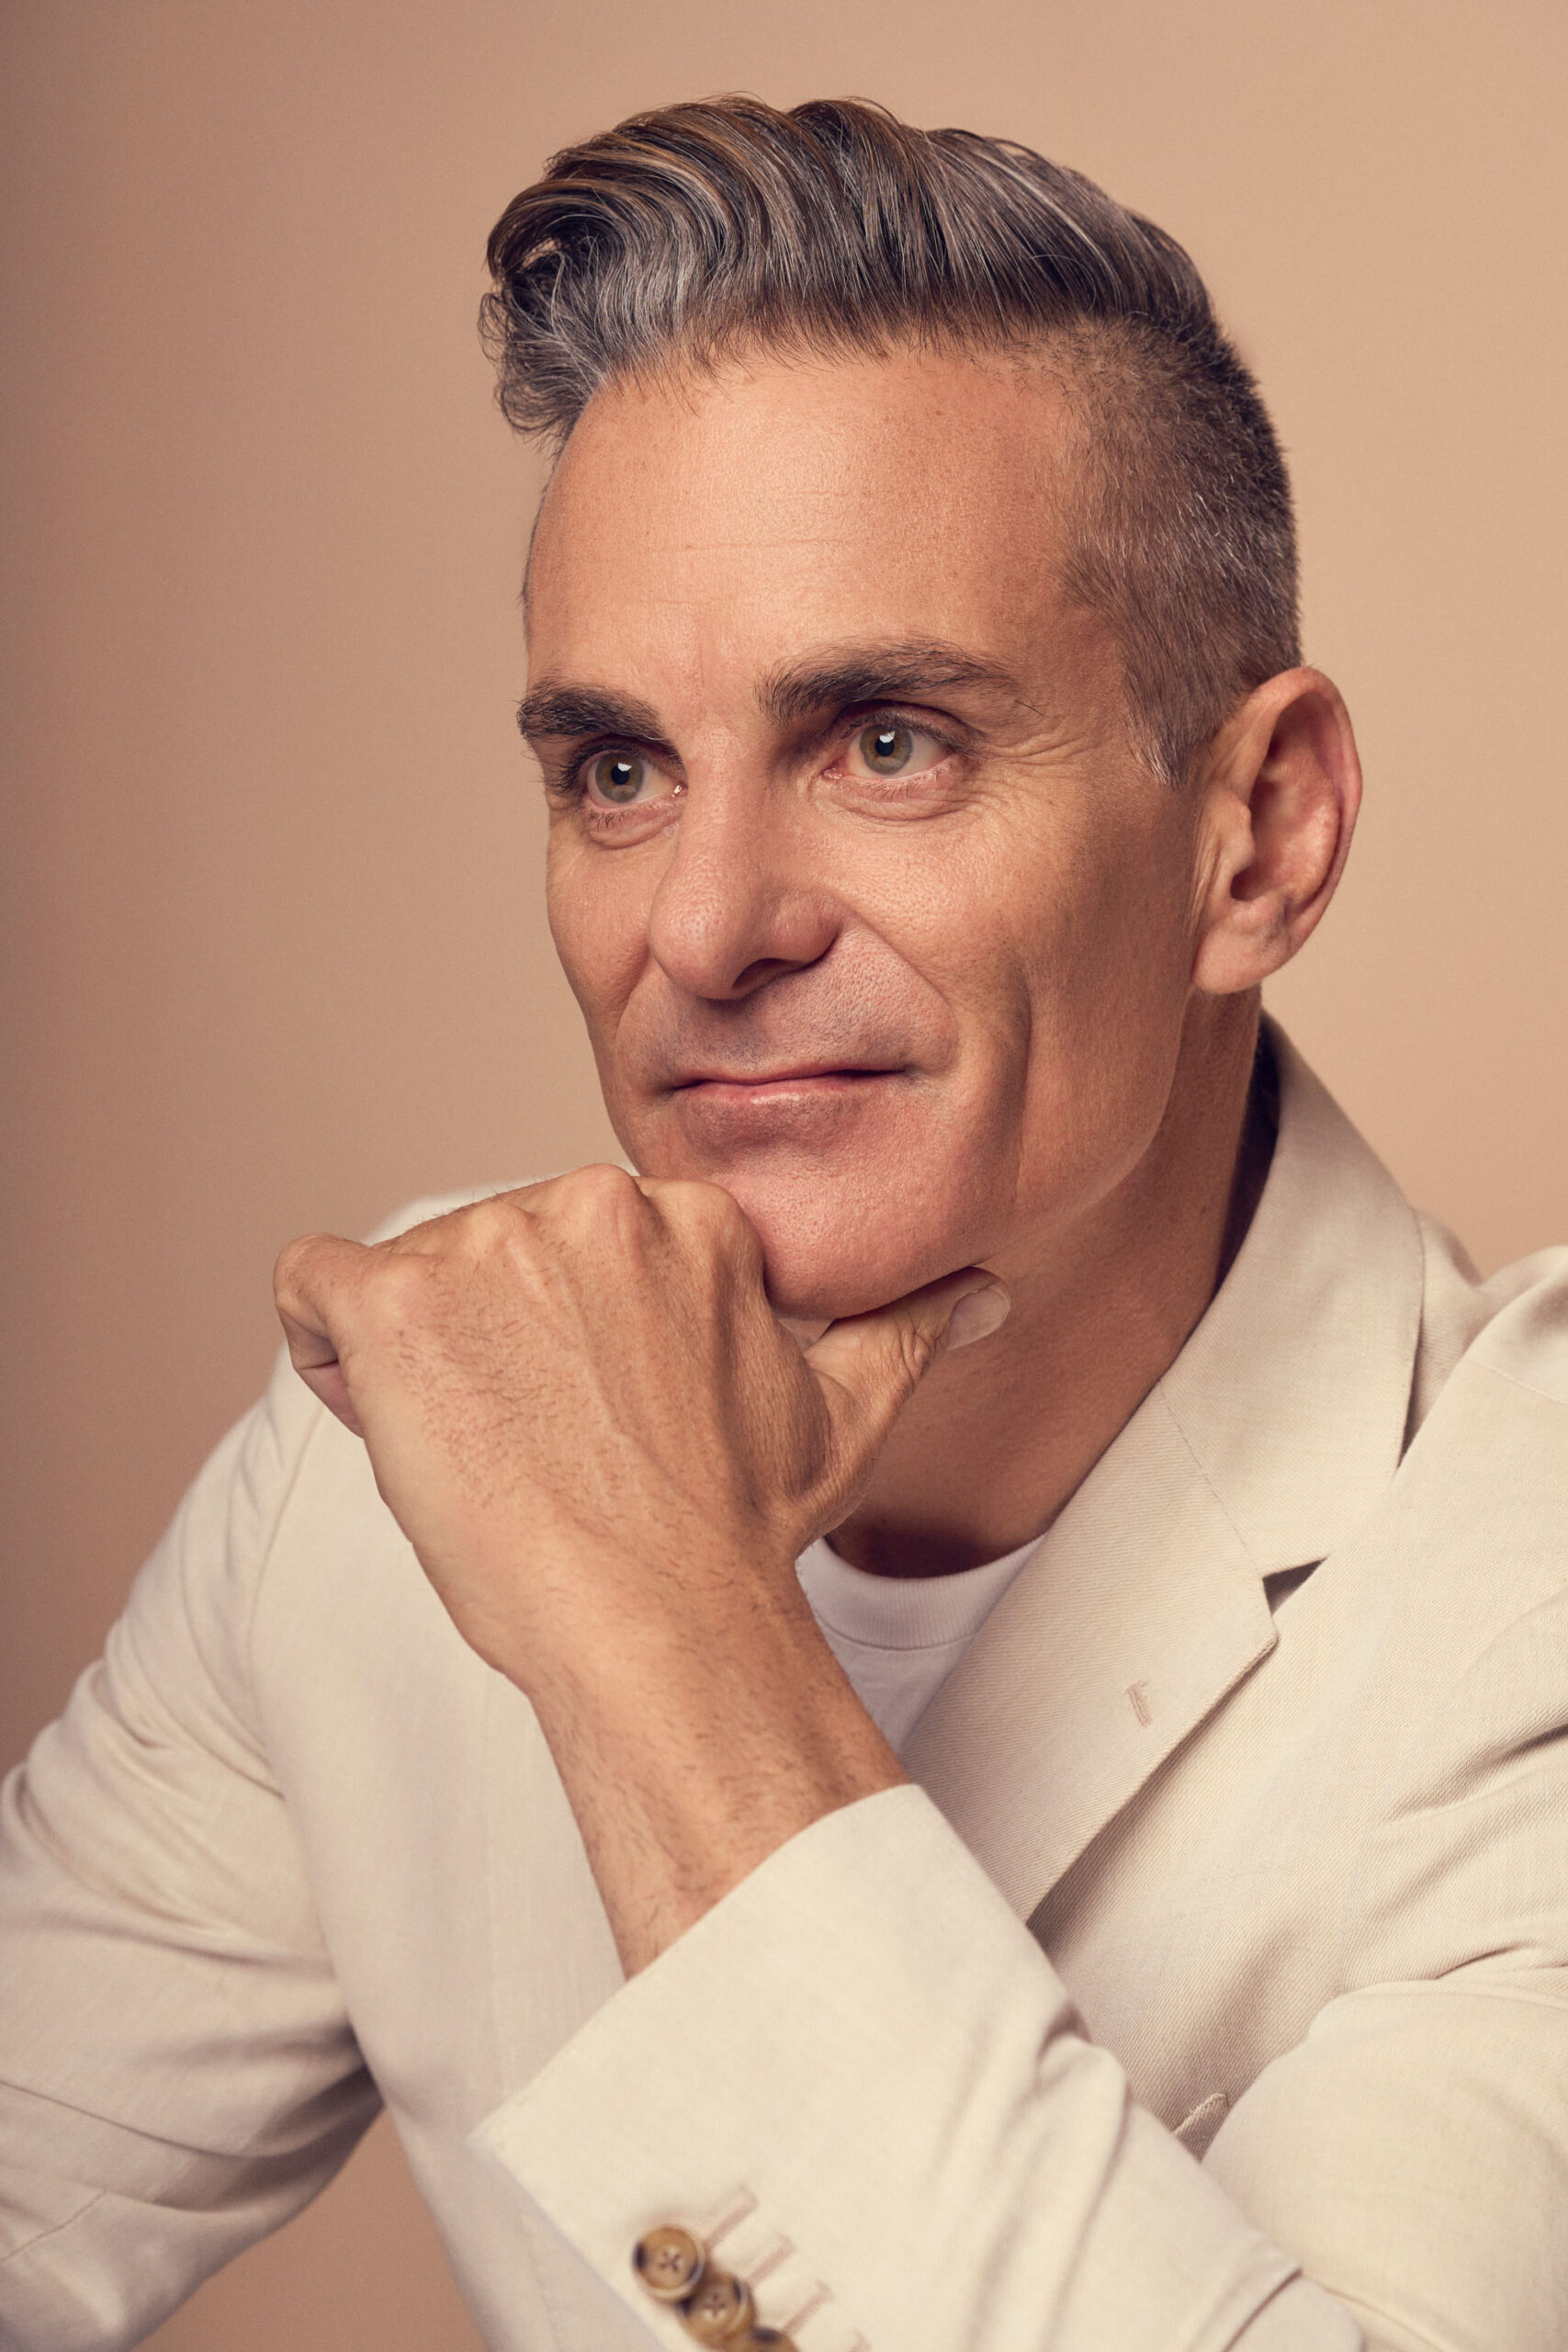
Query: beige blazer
[1210,1990]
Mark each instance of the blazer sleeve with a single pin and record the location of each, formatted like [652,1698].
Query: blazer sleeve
[864,2074]
[177,2075]
[860,2078]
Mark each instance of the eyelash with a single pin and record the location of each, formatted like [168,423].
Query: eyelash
[574,785]
[608,820]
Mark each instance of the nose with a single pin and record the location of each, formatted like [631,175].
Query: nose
[738,906]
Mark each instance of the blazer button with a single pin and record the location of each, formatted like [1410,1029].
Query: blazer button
[668,2262]
[720,2309]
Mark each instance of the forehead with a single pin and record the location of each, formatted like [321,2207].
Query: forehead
[730,516]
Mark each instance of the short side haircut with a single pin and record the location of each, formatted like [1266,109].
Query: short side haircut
[703,230]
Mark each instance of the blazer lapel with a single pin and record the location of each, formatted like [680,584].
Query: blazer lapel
[1138,1612]
[1277,1429]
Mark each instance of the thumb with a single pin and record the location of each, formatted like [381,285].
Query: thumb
[869,1366]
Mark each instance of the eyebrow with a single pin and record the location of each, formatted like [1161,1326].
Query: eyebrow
[904,669]
[549,709]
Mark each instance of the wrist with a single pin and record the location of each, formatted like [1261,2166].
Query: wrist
[689,1755]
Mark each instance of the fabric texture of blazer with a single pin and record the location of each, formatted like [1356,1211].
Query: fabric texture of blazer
[1209,1987]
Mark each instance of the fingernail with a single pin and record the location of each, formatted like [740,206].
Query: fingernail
[978,1314]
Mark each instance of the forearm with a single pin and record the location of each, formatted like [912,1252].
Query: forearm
[607,1454]
[688,1762]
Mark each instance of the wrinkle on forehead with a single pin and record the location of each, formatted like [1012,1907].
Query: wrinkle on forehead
[786,510]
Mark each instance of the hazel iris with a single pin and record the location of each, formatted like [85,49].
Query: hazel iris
[618,776]
[886,749]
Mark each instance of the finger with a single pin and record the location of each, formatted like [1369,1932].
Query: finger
[870,1365]
[310,1286]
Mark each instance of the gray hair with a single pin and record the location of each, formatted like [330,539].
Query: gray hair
[702,231]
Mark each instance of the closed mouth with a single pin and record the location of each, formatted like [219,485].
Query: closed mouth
[803,1074]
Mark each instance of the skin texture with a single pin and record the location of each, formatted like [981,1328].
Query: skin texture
[908,985]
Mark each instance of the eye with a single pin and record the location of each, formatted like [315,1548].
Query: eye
[616,779]
[621,794]
[888,747]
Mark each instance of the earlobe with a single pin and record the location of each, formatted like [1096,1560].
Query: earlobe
[1285,785]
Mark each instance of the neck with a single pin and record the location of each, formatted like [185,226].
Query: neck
[998,1437]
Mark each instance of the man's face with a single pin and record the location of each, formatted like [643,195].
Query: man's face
[874,915]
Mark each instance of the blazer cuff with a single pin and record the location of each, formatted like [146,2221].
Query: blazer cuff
[860,2080]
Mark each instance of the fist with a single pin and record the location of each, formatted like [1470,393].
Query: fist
[585,1417]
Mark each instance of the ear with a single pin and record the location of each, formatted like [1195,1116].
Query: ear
[1281,789]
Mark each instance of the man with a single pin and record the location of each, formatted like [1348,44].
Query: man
[1112,1895]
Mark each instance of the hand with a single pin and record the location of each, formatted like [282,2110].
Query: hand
[607,1454]
[577,1393]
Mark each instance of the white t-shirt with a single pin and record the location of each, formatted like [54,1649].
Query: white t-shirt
[898,1638]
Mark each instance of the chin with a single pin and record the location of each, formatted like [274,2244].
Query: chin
[858,1196]
[826,1258]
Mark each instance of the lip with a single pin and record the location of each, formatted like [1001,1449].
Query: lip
[749,1085]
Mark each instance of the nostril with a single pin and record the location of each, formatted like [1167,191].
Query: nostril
[758,975]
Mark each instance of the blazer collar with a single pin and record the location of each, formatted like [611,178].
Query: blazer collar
[1275,1432]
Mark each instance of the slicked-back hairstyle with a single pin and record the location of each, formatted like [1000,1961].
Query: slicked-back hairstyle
[705,231]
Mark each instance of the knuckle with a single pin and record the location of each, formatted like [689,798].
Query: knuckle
[398,1287]
[681,1202]
[285,1271]
[709,1210]
[492,1223]
[724,1238]
[599,1191]
[295,1262]
[912,1350]
[604,1180]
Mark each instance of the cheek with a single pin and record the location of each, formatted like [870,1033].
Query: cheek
[1058,937]
[598,918]
[1108,983]
[1119,952]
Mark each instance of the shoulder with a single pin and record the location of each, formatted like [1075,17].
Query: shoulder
[1515,1321]
[1492,1443]
[1463,1609]
[1525,1337]
[1459,1579]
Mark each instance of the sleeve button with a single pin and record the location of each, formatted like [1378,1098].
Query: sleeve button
[719,2311]
[669,2263]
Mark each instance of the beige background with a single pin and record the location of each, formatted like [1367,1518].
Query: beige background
[274,953]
